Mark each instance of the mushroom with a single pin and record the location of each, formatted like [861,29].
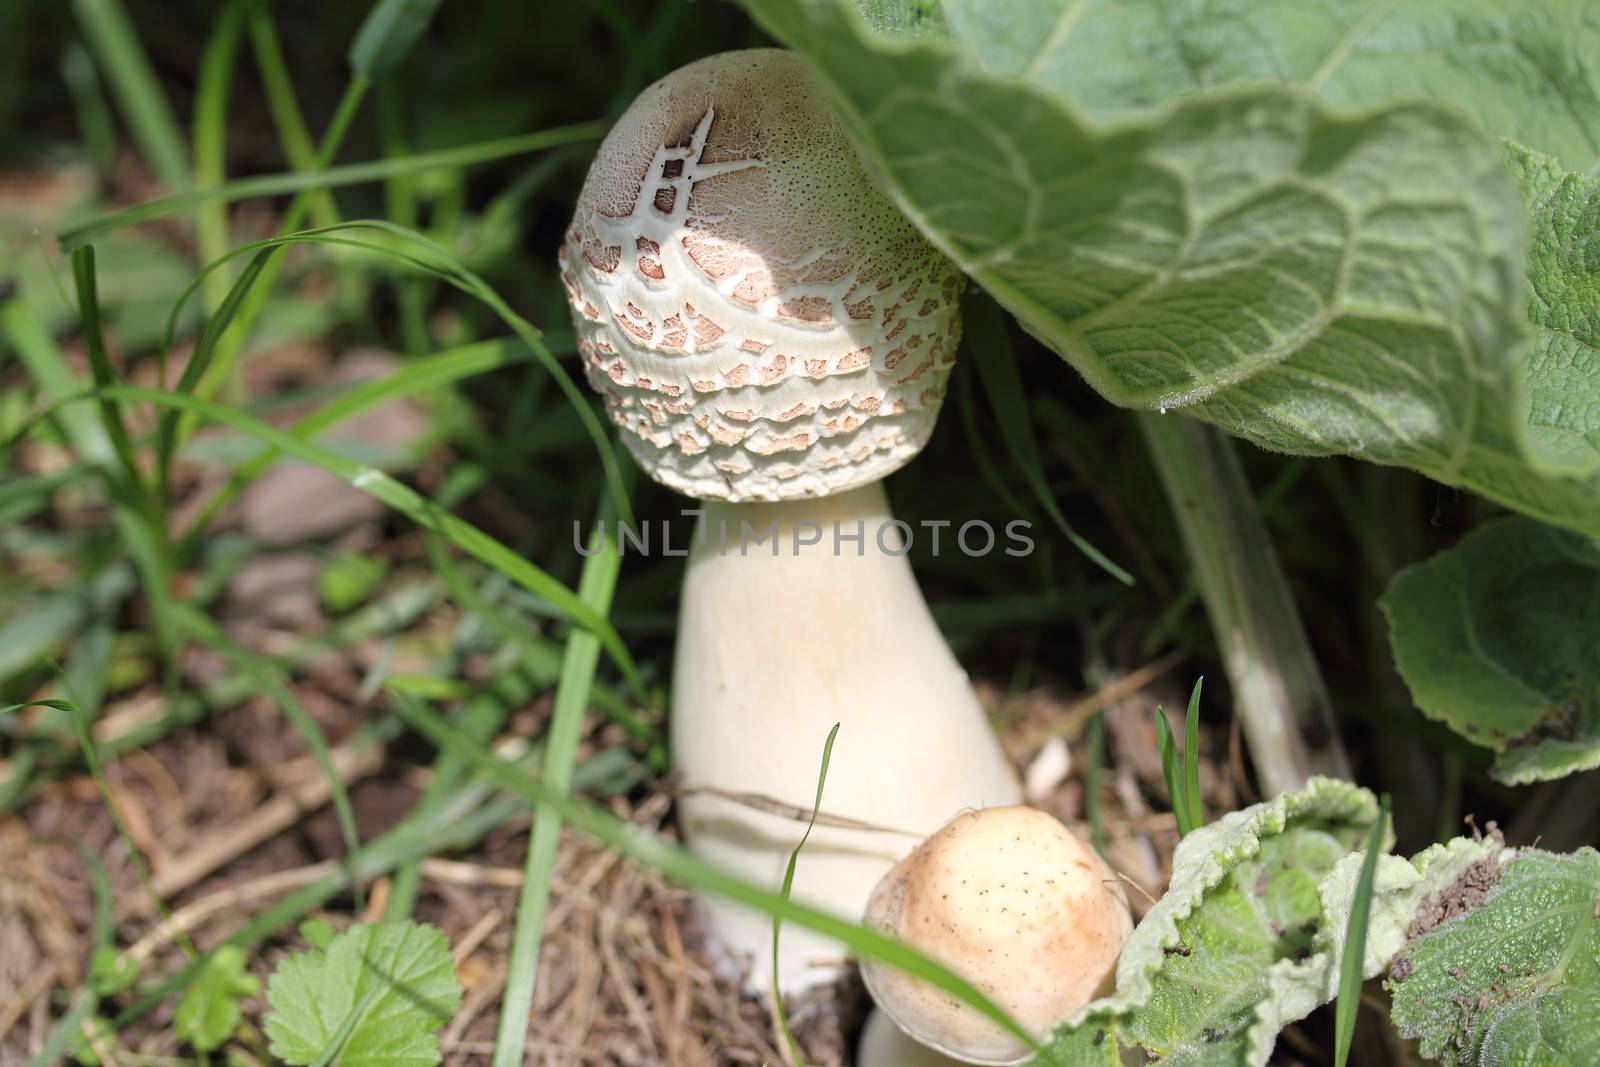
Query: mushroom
[1014,902]
[772,337]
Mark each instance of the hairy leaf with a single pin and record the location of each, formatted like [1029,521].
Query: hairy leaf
[1529,69]
[378,991]
[1561,380]
[1243,898]
[1317,283]
[1250,935]
[1497,638]
[1504,967]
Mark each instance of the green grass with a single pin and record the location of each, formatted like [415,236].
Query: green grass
[1182,769]
[573,689]
[125,66]
[1348,1005]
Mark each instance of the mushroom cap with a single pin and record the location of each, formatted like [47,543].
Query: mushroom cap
[761,320]
[1014,902]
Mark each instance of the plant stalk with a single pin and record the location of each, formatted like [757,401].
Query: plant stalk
[1278,690]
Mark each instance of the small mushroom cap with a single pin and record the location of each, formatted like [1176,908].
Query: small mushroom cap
[1014,902]
[761,320]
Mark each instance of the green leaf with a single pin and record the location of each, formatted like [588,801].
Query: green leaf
[1504,967]
[1315,282]
[388,33]
[1561,379]
[1523,69]
[1243,904]
[388,985]
[1250,936]
[209,1012]
[1496,638]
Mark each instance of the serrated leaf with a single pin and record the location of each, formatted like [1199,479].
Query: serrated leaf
[209,1012]
[385,987]
[1514,976]
[1497,638]
[1561,379]
[1316,283]
[1523,69]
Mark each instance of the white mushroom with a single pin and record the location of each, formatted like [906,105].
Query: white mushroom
[771,336]
[1014,902]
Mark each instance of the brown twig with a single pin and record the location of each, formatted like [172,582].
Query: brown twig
[272,818]
[1077,714]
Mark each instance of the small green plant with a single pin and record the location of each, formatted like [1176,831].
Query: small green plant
[210,1011]
[1182,770]
[374,995]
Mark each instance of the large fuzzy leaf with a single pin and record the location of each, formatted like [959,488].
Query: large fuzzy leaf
[1243,898]
[1561,383]
[1249,936]
[1315,282]
[1528,69]
[1498,638]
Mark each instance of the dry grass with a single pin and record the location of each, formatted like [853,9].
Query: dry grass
[232,816]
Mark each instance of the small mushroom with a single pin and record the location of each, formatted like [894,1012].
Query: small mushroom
[772,337]
[1014,902]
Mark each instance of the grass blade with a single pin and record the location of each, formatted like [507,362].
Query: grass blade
[37,349]
[111,35]
[582,655]
[1172,771]
[1351,964]
[1191,758]
[448,268]
[679,865]
[116,430]
[89,107]
[788,885]
[1002,383]
[388,34]
[204,350]
[422,375]
[217,64]
[291,124]
[1093,774]
[330,177]
[403,499]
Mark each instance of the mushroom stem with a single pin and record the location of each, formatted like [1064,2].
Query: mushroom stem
[883,1044]
[820,621]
